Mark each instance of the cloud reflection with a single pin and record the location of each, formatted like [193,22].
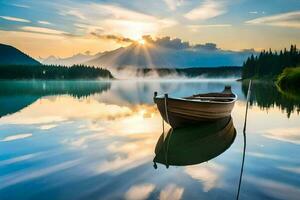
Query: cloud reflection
[208,174]
[274,189]
[16,137]
[171,191]
[26,175]
[291,135]
[139,192]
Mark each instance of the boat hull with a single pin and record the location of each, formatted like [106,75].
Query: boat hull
[181,112]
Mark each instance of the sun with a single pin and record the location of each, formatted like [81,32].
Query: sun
[141,42]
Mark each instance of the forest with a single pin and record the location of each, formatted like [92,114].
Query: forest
[269,64]
[50,72]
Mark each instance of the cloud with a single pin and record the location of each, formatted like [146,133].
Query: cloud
[167,42]
[196,28]
[15,19]
[208,9]
[289,19]
[173,4]
[118,39]
[178,44]
[89,28]
[43,30]
[175,43]
[118,12]
[131,23]
[253,12]
[139,192]
[116,20]
[44,22]
[75,13]
[206,46]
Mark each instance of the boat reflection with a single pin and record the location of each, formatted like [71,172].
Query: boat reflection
[194,144]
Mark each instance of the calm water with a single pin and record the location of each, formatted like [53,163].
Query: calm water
[96,140]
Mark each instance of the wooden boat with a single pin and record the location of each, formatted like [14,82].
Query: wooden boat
[179,112]
[194,144]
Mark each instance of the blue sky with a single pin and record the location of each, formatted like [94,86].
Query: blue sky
[64,27]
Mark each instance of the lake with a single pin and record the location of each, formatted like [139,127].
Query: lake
[97,140]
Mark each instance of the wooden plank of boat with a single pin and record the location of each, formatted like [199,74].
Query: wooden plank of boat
[197,108]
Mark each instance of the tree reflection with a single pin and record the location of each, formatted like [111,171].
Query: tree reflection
[16,95]
[266,95]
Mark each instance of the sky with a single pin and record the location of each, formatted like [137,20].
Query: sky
[64,27]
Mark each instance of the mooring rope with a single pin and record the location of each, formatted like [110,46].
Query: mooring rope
[244,134]
[166,109]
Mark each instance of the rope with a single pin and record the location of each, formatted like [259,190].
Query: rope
[166,109]
[245,144]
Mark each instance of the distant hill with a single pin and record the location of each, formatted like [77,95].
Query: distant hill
[169,53]
[11,56]
[69,61]
[159,53]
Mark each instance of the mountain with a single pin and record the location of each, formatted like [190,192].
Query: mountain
[11,56]
[69,61]
[170,54]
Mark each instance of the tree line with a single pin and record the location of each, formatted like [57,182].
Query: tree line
[52,72]
[270,63]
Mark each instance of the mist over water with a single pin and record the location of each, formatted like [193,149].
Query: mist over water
[133,73]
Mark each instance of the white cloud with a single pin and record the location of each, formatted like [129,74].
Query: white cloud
[208,9]
[196,28]
[289,19]
[44,22]
[118,12]
[114,19]
[42,30]
[15,19]
[47,126]
[253,12]
[139,192]
[16,137]
[173,4]
[75,13]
